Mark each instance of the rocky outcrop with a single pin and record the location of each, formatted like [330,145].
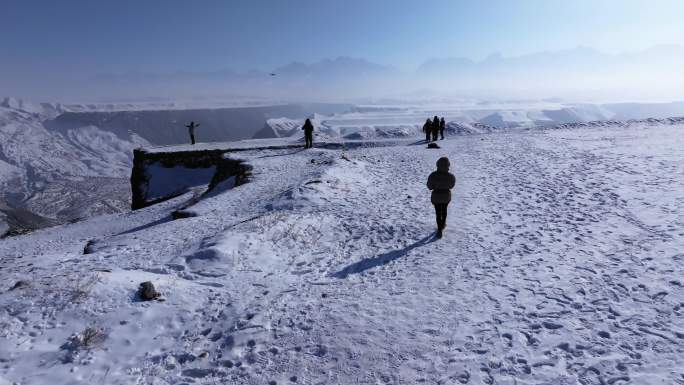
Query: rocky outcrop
[147,292]
[17,221]
[159,176]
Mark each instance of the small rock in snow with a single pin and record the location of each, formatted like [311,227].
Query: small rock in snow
[147,292]
[19,285]
[89,247]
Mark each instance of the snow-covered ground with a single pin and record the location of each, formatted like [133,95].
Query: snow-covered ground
[562,263]
[65,162]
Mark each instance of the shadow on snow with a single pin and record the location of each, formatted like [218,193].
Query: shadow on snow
[146,225]
[285,154]
[382,259]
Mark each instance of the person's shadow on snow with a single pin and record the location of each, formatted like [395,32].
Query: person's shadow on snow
[382,259]
[418,143]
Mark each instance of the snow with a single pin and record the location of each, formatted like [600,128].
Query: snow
[61,163]
[4,227]
[561,264]
[284,127]
[61,174]
[65,162]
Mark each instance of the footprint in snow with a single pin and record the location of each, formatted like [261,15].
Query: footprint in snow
[551,325]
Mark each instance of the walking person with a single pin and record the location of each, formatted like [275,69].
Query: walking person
[308,133]
[191,130]
[441,182]
[427,129]
[435,128]
[442,127]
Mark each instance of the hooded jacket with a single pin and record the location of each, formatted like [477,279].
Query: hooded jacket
[441,182]
[427,127]
[435,125]
[308,127]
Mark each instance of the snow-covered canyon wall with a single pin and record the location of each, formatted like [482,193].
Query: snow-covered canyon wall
[50,176]
[167,127]
[158,176]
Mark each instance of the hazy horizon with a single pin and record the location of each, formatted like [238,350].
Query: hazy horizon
[332,51]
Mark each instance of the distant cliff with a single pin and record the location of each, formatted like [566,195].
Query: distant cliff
[165,127]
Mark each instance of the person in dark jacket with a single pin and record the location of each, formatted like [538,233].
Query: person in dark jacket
[191,130]
[308,133]
[442,127]
[427,129]
[435,128]
[441,182]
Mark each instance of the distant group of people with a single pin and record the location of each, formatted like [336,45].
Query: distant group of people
[434,128]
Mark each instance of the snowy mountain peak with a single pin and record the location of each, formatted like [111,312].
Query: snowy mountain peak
[45,110]
[19,104]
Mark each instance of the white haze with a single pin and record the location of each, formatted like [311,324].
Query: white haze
[580,74]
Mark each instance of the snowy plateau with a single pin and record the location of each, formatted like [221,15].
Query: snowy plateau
[562,262]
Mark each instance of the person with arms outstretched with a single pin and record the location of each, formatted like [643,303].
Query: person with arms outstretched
[441,182]
[191,130]
[308,133]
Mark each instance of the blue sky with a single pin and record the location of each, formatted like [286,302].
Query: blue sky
[167,35]
[53,45]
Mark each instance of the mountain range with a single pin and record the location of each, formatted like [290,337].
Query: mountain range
[580,73]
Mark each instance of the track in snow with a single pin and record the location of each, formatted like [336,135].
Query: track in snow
[561,264]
